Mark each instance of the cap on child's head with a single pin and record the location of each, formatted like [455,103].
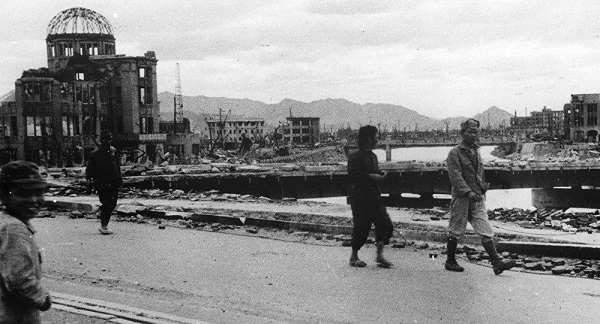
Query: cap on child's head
[23,174]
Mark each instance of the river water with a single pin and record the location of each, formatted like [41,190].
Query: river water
[511,198]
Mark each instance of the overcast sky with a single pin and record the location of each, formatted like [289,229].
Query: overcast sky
[441,58]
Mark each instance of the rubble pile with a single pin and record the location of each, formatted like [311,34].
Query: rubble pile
[548,155]
[165,169]
[73,190]
[566,221]
[328,154]
[191,195]
[229,168]
[84,188]
[547,265]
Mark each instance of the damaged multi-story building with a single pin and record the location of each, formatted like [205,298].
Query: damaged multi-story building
[228,130]
[581,117]
[301,130]
[545,123]
[56,114]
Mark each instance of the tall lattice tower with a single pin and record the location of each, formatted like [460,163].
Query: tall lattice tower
[177,102]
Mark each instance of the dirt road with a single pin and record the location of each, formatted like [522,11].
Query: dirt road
[223,278]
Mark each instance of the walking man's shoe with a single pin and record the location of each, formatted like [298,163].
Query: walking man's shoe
[453,266]
[105,231]
[501,264]
[357,263]
[383,263]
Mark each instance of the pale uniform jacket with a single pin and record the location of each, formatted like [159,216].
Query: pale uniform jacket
[465,171]
[21,293]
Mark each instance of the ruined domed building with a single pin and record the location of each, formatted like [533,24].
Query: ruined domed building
[58,112]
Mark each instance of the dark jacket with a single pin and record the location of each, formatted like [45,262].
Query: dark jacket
[103,167]
[245,145]
[21,294]
[361,163]
[465,171]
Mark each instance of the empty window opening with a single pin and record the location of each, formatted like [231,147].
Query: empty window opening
[39,126]
[143,125]
[592,114]
[142,95]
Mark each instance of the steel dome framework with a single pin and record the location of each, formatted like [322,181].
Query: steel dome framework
[79,21]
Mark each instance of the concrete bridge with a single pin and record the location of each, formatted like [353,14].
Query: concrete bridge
[424,180]
[433,143]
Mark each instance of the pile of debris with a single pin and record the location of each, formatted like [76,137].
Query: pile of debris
[76,188]
[84,189]
[558,219]
[213,195]
[230,168]
[556,266]
[140,170]
[548,154]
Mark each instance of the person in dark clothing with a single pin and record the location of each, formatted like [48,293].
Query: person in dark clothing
[467,177]
[22,295]
[365,198]
[104,170]
[245,145]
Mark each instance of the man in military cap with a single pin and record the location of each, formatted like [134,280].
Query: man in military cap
[467,178]
[22,296]
[104,170]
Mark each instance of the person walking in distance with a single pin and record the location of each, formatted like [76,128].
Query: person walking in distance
[104,170]
[365,198]
[22,296]
[466,173]
[245,145]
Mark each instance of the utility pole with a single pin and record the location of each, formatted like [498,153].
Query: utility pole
[221,124]
[177,102]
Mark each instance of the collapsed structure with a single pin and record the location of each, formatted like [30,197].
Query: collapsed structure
[55,113]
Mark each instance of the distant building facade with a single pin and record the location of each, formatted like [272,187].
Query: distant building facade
[229,129]
[301,130]
[544,123]
[550,121]
[581,117]
[167,126]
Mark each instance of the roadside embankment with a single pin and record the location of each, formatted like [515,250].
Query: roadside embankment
[534,250]
[335,219]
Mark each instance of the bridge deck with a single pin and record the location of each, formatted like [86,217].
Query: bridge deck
[332,182]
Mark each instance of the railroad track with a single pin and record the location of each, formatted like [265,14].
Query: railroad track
[114,313]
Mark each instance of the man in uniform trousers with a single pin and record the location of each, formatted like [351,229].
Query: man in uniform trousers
[467,178]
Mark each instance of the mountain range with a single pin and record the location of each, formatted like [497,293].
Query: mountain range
[334,113]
